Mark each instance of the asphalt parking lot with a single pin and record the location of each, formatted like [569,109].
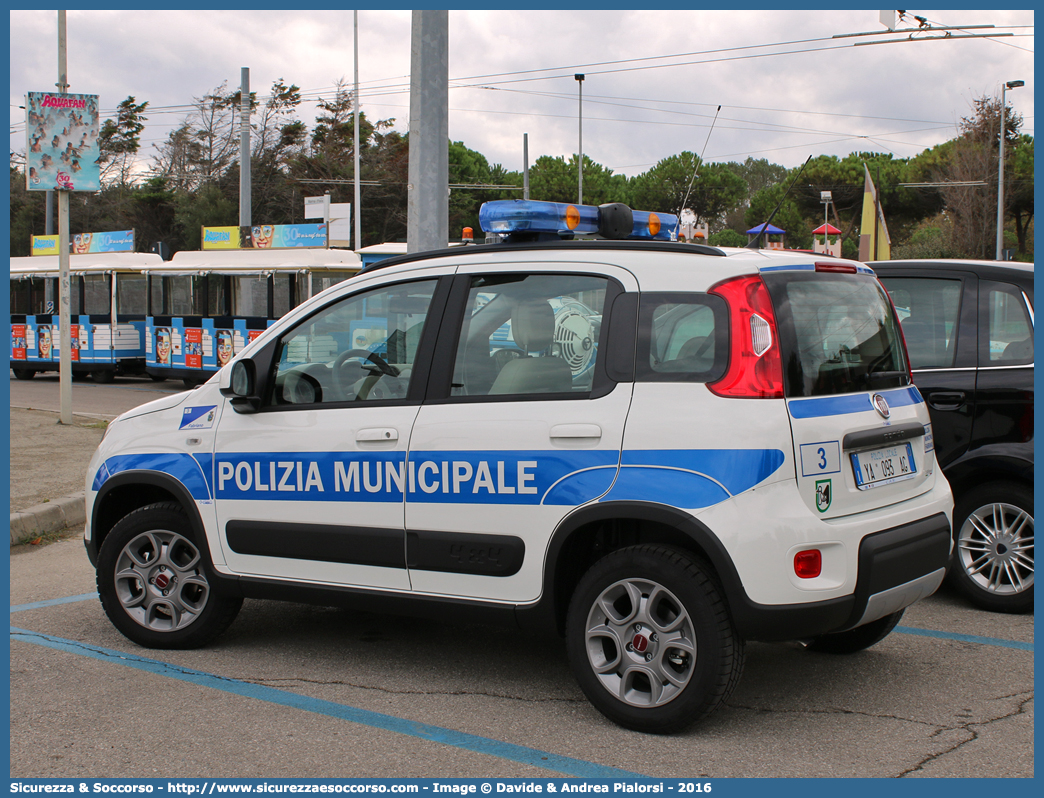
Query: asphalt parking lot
[293,691]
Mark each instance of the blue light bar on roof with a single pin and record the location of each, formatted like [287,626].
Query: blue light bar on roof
[515,216]
[533,220]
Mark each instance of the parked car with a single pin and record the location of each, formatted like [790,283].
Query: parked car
[969,332]
[699,448]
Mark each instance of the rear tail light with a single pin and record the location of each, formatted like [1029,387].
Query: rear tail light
[755,365]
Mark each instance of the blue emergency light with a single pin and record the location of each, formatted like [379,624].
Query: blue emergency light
[529,220]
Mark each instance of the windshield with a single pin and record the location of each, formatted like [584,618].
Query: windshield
[839,333]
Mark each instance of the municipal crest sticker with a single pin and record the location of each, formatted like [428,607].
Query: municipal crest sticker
[824,494]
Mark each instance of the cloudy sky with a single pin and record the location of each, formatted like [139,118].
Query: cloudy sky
[790,83]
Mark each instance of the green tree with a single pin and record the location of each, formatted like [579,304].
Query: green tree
[727,238]
[1018,189]
[557,180]
[119,140]
[710,190]
[206,207]
[788,218]
[470,168]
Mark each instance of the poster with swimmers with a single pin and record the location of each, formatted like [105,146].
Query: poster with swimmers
[62,149]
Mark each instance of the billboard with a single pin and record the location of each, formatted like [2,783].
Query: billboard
[265,236]
[62,149]
[119,241]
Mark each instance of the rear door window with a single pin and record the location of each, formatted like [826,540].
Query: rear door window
[1008,339]
[928,310]
[682,337]
[839,334]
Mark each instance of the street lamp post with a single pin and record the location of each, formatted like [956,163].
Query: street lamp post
[580,83]
[826,197]
[1011,84]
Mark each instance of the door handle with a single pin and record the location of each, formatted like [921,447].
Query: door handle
[576,431]
[946,400]
[376,435]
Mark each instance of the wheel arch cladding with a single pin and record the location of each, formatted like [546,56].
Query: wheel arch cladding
[594,531]
[128,490]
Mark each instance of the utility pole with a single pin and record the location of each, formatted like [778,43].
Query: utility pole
[64,292]
[244,148]
[357,210]
[1011,84]
[580,114]
[428,204]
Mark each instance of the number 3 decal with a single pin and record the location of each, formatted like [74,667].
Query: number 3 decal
[822,457]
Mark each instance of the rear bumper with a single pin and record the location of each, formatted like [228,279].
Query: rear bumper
[897,567]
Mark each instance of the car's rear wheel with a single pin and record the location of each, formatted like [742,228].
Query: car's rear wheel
[651,641]
[992,561]
[156,585]
[858,639]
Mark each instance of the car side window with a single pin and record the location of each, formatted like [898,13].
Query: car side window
[1007,337]
[928,310]
[682,337]
[529,334]
[361,348]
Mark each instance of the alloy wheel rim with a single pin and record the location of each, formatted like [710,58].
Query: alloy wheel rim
[640,643]
[995,548]
[160,582]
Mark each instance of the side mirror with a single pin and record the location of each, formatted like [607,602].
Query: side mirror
[241,385]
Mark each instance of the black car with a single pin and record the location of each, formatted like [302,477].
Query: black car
[969,332]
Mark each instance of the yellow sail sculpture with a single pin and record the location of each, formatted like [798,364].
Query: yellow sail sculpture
[874,243]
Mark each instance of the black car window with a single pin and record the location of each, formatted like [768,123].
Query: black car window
[928,310]
[1007,338]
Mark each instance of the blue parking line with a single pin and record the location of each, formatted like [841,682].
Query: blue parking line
[986,641]
[53,602]
[544,760]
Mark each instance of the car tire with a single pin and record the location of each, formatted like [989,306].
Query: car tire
[103,376]
[156,584]
[992,559]
[24,374]
[651,641]
[855,640]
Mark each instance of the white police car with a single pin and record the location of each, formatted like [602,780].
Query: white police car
[742,457]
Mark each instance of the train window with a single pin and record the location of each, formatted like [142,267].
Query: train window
[96,296]
[130,294]
[250,295]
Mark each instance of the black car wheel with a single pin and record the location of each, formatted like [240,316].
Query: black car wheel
[155,583]
[651,641]
[992,561]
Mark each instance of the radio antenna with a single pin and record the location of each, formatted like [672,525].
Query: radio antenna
[696,167]
[756,243]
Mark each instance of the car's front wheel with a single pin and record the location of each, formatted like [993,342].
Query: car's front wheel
[992,562]
[155,583]
[651,641]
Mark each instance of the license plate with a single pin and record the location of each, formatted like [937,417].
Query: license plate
[883,466]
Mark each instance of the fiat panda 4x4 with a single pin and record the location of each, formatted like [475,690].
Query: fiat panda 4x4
[658,450]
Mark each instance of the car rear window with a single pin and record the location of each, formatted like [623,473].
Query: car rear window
[838,333]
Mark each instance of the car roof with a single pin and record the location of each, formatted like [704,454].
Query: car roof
[990,269]
[756,258]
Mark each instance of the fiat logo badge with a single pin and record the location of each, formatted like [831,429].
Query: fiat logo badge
[880,405]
